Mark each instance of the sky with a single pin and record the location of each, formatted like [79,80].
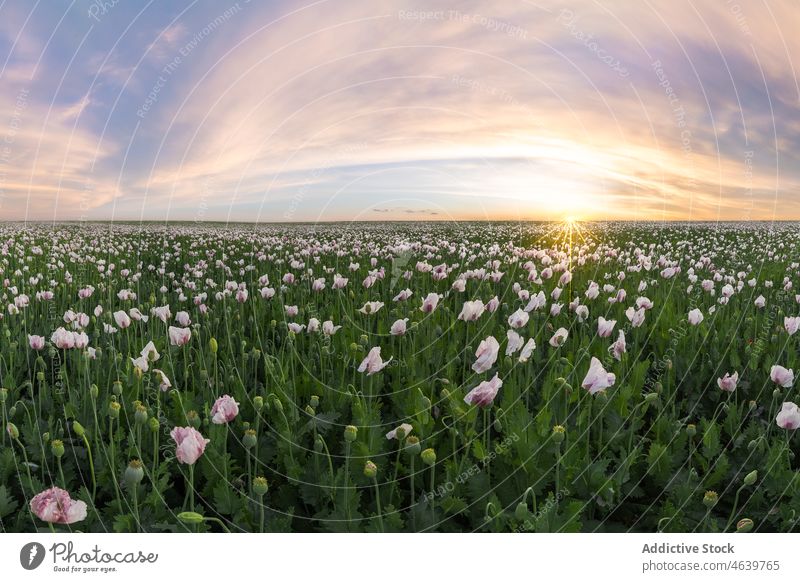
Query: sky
[276,111]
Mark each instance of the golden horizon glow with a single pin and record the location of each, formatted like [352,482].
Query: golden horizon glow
[368,111]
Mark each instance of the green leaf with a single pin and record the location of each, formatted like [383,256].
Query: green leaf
[7,503]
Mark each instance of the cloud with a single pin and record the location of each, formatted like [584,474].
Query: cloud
[475,109]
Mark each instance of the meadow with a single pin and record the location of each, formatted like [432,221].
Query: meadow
[400,377]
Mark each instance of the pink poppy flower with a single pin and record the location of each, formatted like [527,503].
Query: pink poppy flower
[54,505]
[189,444]
[224,410]
[484,393]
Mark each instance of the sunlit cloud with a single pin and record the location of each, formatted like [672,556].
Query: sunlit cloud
[402,110]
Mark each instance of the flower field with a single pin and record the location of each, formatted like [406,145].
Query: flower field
[501,377]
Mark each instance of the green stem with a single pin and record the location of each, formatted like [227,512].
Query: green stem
[136,508]
[378,501]
[346,478]
[91,467]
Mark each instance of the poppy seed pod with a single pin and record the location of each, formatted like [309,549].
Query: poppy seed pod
[350,433]
[691,430]
[370,470]
[558,434]
[134,473]
[412,445]
[258,403]
[314,401]
[250,439]
[710,499]
[113,409]
[428,457]
[57,448]
[260,486]
[140,416]
[117,388]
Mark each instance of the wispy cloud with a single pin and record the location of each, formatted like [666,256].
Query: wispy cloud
[370,109]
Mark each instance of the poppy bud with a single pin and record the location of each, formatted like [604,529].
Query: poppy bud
[310,411]
[776,393]
[370,470]
[521,512]
[412,445]
[498,426]
[212,345]
[134,473]
[250,439]
[318,444]
[57,448]
[193,419]
[710,499]
[651,397]
[751,446]
[40,376]
[94,391]
[751,477]
[3,394]
[153,424]
[12,430]
[350,433]
[428,456]
[260,486]
[78,429]
[46,437]
[744,525]
[190,517]
[752,404]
